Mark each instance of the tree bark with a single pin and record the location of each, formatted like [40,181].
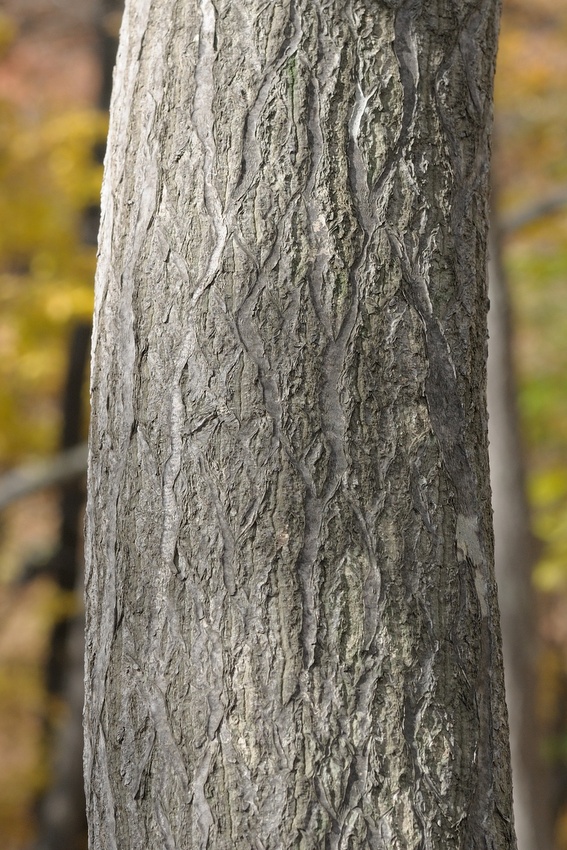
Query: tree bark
[292,633]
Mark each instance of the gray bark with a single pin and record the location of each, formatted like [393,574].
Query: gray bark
[515,556]
[292,635]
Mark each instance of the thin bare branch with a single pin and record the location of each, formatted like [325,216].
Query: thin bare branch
[29,479]
[532,212]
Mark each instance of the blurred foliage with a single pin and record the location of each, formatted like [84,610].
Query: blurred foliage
[48,177]
[531,164]
[23,639]
[8,32]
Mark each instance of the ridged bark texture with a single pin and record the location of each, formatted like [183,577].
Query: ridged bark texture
[292,635]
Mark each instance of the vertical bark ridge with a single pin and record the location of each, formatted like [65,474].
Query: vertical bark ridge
[288,437]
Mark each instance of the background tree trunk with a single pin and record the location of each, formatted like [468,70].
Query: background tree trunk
[292,636]
[61,806]
[515,555]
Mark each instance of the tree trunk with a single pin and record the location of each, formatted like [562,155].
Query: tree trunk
[292,634]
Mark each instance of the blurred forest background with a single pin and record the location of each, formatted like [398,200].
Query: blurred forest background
[55,63]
